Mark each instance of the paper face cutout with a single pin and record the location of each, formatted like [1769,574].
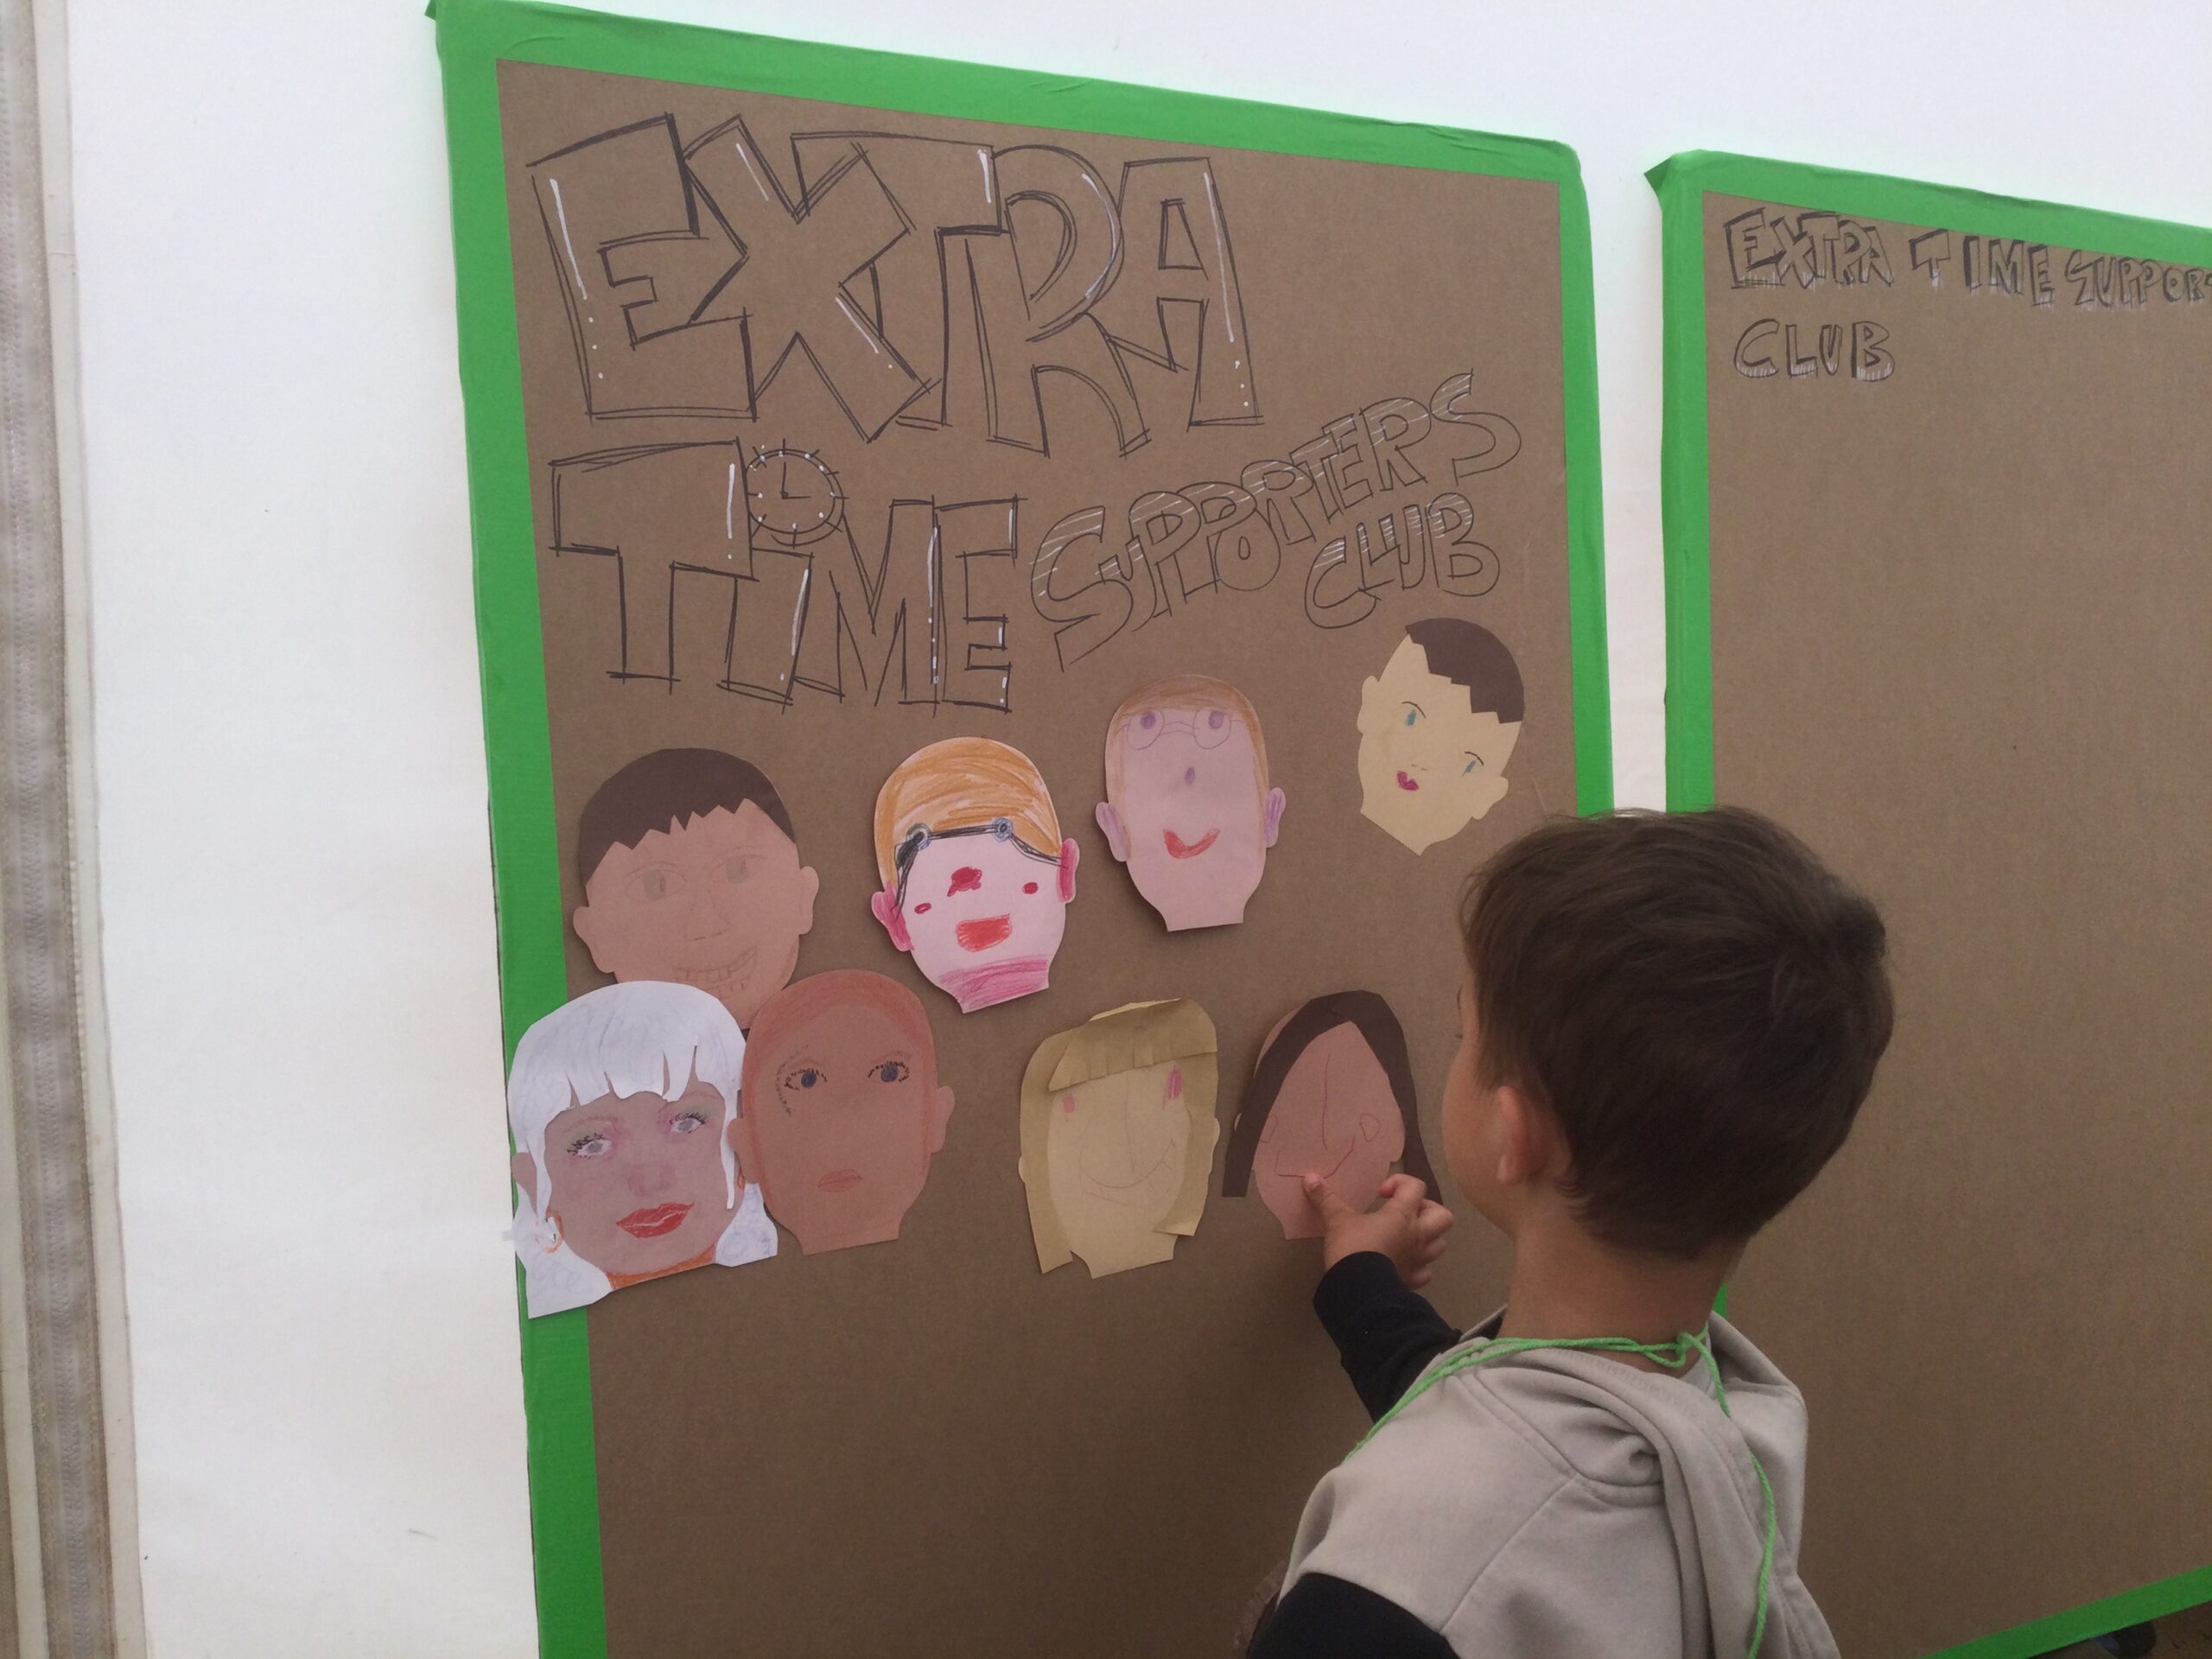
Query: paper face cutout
[1117,1136]
[691,876]
[976,876]
[624,1105]
[1188,807]
[1436,729]
[1332,1095]
[844,1107]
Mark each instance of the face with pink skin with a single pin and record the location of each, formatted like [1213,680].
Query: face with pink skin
[1187,813]
[639,1184]
[981,914]
[1334,1116]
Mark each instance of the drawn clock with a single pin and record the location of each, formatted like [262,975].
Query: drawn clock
[792,496]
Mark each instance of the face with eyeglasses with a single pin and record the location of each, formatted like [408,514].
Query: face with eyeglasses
[843,1108]
[981,912]
[1187,812]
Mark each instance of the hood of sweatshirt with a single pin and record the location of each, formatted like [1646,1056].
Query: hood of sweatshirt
[1557,1501]
[1620,1426]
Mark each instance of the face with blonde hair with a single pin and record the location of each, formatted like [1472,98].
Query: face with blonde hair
[1188,807]
[976,876]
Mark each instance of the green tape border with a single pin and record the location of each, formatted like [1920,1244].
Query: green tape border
[473,37]
[1681,182]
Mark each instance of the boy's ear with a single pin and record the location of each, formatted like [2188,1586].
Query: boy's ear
[1524,1139]
[1070,853]
[940,1116]
[1272,817]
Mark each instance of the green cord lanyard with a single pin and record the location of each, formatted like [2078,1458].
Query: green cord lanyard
[1673,1356]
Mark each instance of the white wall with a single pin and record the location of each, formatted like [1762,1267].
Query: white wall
[293,855]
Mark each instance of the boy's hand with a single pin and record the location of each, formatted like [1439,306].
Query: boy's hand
[1409,1227]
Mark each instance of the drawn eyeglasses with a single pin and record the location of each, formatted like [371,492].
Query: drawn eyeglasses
[911,844]
[1207,728]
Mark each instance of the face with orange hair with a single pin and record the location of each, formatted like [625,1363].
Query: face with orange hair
[976,876]
[843,1109]
[1188,807]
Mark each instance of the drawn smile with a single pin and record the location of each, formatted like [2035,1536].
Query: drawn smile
[1178,847]
[840,1180]
[656,1223]
[1404,782]
[983,934]
[721,979]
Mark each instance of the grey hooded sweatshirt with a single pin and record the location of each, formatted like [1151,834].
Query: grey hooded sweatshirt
[1548,1503]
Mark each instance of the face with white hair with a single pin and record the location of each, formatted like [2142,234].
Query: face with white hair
[625,1108]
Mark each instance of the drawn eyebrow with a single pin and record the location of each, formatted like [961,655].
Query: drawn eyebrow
[1415,707]
[1472,756]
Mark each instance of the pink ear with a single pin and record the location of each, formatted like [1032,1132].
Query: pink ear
[1274,817]
[885,906]
[1069,854]
[1109,825]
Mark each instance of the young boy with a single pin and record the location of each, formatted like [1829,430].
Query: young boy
[1667,1025]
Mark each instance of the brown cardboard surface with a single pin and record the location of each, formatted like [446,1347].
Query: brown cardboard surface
[871,1451]
[1960,621]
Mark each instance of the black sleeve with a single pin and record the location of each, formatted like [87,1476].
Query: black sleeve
[1324,1617]
[1384,1333]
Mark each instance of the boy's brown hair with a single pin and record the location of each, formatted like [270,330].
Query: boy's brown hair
[1697,1000]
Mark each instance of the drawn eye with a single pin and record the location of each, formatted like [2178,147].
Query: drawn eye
[800,1078]
[1144,730]
[1029,886]
[1412,714]
[1148,721]
[1473,761]
[686,1123]
[892,1072]
[922,909]
[654,884]
[1067,1105]
[1212,730]
[1175,1084]
[737,870]
[592,1144]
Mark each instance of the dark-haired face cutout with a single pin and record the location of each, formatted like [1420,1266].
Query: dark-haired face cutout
[1429,763]
[720,902]
[1335,1117]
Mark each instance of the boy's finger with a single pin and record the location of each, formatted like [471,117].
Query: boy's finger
[1433,1222]
[1323,1198]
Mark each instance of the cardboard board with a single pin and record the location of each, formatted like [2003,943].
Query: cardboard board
[1937,496]
[1197,321]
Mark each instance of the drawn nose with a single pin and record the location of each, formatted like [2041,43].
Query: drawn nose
[651,1180]
[703,921]
[966,878]
[1189,774]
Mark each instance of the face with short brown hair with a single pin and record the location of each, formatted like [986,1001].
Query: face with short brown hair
[720,901]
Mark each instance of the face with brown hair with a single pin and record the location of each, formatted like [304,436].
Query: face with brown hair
[1430,762]
[692,876]
[1188,807]
[843,1108]
[1334,1116]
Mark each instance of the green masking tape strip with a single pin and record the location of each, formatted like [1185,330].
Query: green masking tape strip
[474,37]
[1682,182]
